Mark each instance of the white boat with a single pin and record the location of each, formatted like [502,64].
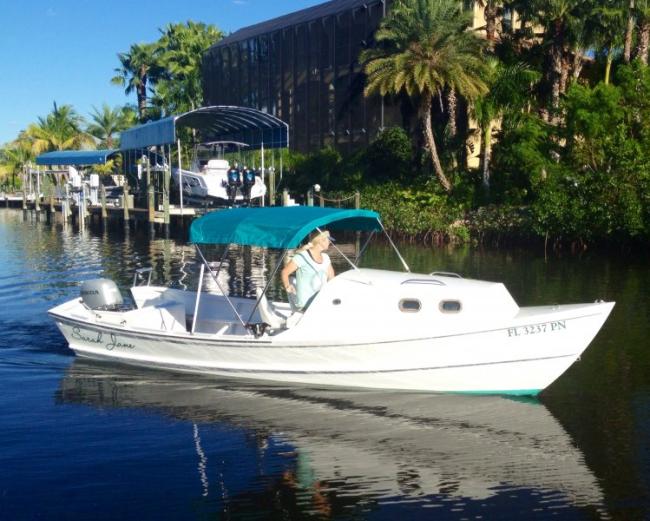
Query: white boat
[209,179]
[365,328]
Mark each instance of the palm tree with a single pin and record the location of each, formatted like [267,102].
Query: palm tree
[13,157]
[107,123]
[510,87]
[61,129]
[425,46]
[139,67]
[180,49]
[563,21]
[607,28]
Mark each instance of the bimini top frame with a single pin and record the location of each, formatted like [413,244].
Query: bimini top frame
[276,227]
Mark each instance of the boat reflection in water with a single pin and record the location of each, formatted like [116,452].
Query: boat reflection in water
[368,446]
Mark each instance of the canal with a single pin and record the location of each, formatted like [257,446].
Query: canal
[82,440]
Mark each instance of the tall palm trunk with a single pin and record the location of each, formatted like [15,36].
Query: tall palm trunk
[608,67]
[486,145]
[490,14]
[564,74]
[452,107]
[142,95]
[629,31]
[557,53]
[425,114]
[578,62]
[644,41]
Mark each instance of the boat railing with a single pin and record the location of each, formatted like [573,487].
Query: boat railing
[431,282]
[139,274]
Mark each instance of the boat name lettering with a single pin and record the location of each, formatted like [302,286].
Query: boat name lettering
[535,329]
[98,338]
[115,344]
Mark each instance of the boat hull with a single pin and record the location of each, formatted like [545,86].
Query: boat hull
[523,356]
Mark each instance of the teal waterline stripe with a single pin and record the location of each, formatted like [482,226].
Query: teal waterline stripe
[511,392]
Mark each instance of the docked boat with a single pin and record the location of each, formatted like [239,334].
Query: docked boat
[365,328]
[216,180]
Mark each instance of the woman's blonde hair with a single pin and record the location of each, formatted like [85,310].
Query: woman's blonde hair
[314,238]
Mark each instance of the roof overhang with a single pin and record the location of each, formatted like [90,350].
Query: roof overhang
[277,227]
[218,123]
[75,157]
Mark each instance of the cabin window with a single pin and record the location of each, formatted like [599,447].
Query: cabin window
[410,305]
[450,306]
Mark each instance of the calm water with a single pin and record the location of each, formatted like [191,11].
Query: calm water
[82,440]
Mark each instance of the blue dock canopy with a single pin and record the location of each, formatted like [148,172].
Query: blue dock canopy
[218,123]
[75,157]
[277,226]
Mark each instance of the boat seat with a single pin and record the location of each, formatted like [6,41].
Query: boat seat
[267,313]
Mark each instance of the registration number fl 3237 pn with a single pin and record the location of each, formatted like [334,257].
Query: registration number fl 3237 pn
[536,329]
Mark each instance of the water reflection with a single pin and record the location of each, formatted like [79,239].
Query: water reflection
[369,448]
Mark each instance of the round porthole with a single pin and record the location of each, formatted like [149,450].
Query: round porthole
[410,305]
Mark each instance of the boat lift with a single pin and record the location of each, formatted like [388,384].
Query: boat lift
[257,129]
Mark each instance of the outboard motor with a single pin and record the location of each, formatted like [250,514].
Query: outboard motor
[101,294]
[234,182]
[248,182]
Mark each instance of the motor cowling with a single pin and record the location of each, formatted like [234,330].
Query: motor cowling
[249,177]
[101,294]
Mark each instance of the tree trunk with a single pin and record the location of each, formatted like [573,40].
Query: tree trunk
[452,103]
[142,95]
[557,52]
[490,14]
[576,68]
[564,73]
[608,67]
[644,40]
[486,145]
[629,31]
[431,142]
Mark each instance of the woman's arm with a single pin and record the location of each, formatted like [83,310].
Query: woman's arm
[330,272]
[290,268]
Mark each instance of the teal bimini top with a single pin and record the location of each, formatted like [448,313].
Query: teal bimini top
[277,226]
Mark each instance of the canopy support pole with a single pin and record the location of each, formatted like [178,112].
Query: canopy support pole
[263,176]
[180,174]
[363,248]
[219,285]
[268,283]
[198,298]
[406,267]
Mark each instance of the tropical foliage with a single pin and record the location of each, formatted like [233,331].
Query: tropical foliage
[166,74]
[424,47]
[562,120]
[108,122]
